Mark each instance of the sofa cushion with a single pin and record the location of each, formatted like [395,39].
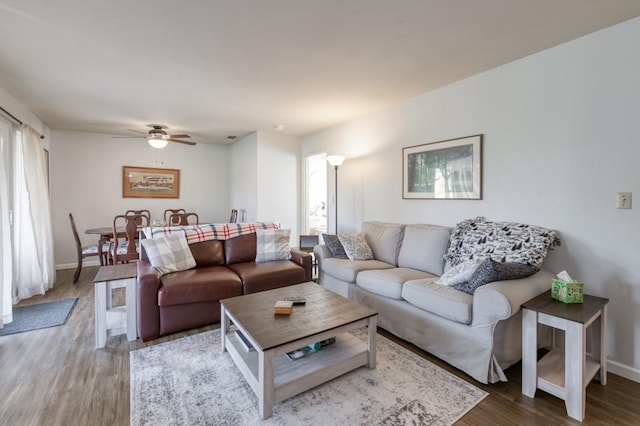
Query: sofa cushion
[169,253]
[334,245]
[384,240]
[439,299]
[490,271]
[268,275]
[208,253]
[240,249]
[272,244]
[388,282]
[356,247]
[347,270]
[501,241]
[198,285]
[423,247]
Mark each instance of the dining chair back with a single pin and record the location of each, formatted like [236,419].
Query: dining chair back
[125,243]
[183,219]
[85,251]
[169,212]
[141,213]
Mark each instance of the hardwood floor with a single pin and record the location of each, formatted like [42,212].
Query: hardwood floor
[55,376]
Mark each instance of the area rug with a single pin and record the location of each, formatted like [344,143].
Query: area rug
[191,382]
[39,315]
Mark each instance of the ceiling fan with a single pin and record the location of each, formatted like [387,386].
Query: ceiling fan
[158,137]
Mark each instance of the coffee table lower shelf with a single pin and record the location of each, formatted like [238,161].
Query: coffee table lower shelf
[292,377]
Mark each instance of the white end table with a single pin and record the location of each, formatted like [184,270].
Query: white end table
[566,371]
[110,320]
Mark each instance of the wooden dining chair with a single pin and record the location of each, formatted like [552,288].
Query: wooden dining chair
[125,244]
[183,219]
[169,212]
[141,213]
[86,251]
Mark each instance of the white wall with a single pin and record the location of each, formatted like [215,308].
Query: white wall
[18,110]
[86,171]
[278,177]
[264,171]
[561,138]
[243,176]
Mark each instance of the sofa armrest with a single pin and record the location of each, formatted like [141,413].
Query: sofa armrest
[303,259]
[502,299]
[147,294]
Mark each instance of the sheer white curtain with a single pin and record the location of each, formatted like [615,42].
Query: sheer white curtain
[33,262]
[6,315]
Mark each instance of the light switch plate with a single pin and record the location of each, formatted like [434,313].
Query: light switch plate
[623,200]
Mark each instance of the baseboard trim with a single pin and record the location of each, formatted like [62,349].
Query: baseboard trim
[75,265]
[623,370]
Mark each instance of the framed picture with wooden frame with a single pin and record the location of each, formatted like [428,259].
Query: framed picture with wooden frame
[448,170]
[147,182]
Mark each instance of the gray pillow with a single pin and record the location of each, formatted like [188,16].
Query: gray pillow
[272,244]
[356,247]
[490,271]
[335,246]
[169,253]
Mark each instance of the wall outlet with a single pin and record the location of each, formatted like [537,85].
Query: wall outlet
[623,200]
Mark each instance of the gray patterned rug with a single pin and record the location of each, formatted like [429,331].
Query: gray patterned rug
[190,382]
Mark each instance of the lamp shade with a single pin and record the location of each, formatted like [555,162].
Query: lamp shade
[157,143]
[336,160]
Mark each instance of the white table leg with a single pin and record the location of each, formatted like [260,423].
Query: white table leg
[224,327]
[601,340]
[529,352]
[100,295]
[372,330]
[132,323]
[575,360]
[265,383]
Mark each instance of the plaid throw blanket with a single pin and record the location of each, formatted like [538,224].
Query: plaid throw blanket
[211,231]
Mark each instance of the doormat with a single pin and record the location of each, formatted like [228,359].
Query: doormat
[39,315]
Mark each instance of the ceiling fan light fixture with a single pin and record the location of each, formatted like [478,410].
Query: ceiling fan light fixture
[158,143]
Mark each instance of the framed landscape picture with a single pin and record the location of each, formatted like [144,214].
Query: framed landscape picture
[147,182]
[449,169]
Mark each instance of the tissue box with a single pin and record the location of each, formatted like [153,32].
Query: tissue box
[567,292]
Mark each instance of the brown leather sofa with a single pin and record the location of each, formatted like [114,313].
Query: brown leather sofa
[188,299]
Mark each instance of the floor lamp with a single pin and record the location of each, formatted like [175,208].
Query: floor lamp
[336,161]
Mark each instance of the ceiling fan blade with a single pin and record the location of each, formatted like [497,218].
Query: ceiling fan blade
[179,136]
[179,141]
[137,131]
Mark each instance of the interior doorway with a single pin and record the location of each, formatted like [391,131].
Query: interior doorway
[315,205]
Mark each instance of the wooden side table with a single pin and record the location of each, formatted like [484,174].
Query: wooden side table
[110,320]
[565,371]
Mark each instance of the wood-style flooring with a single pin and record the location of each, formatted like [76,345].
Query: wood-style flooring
[55,376]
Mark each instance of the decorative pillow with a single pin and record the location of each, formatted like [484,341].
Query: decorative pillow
[491,271]
[272,244]
[335,246]
[500,241]
[460,273]
[356,247]
[169,253]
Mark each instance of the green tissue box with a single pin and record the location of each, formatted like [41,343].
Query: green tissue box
[567,292]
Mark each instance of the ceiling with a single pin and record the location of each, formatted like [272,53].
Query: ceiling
[214,68]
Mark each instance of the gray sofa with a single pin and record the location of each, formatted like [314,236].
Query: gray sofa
[479,333]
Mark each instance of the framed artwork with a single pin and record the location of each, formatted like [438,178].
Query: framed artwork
[147,182]
[448,170]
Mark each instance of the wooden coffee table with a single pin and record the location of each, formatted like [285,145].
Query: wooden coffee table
[270,373]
